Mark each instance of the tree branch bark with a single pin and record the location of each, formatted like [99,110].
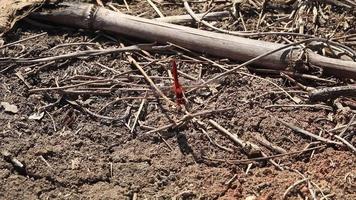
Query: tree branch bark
[89,16]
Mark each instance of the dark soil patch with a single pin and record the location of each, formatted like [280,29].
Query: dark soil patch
[69,154]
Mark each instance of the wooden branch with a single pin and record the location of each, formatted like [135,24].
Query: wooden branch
[307,133]
[222,45]
[249,148]
[333,92]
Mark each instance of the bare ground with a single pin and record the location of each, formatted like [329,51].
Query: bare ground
[69,154]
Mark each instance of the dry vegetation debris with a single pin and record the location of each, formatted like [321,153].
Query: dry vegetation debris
[92,114]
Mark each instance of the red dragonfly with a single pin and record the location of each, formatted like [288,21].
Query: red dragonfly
[177,88]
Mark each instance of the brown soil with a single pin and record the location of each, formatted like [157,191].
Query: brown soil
[69,154]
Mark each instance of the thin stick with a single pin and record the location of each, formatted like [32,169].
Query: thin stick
[75,44]
[79,54]
[138,115]
[263,79]
[236,33]
[311,190]
[215,143]
[159,134]
[341,127]
[263,141]
[165,141]
[188,117]
[29,38]
[306,88]
[234,138]
[294,74]
[348,144]
[165,127]
[46,162]
[153,5]
[248,147]
[121,99]
[304,132]
[199,56]
[75,104]
[320,106]
[68,86]
[267,157]
[148,79]
[327,196]
[348,126]
[53,122]
[127,6]
[187,18]
[293,186]
[241,17]
[261,14]
[126,74]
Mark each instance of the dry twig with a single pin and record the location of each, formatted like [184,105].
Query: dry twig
[22,40]
[187,18]
[307,133]
[139,47]
[236,33]
[293,186]
[249,148]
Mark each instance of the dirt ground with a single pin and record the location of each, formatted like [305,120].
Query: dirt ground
[68,153]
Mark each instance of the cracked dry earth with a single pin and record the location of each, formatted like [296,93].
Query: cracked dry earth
[70,155]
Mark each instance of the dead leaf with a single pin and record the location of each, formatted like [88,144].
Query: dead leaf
[9,107]
[198,100]
[297,100]
[11,11]
[36,116]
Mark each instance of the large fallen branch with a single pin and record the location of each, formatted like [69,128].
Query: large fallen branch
[237,48]
[333,92]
